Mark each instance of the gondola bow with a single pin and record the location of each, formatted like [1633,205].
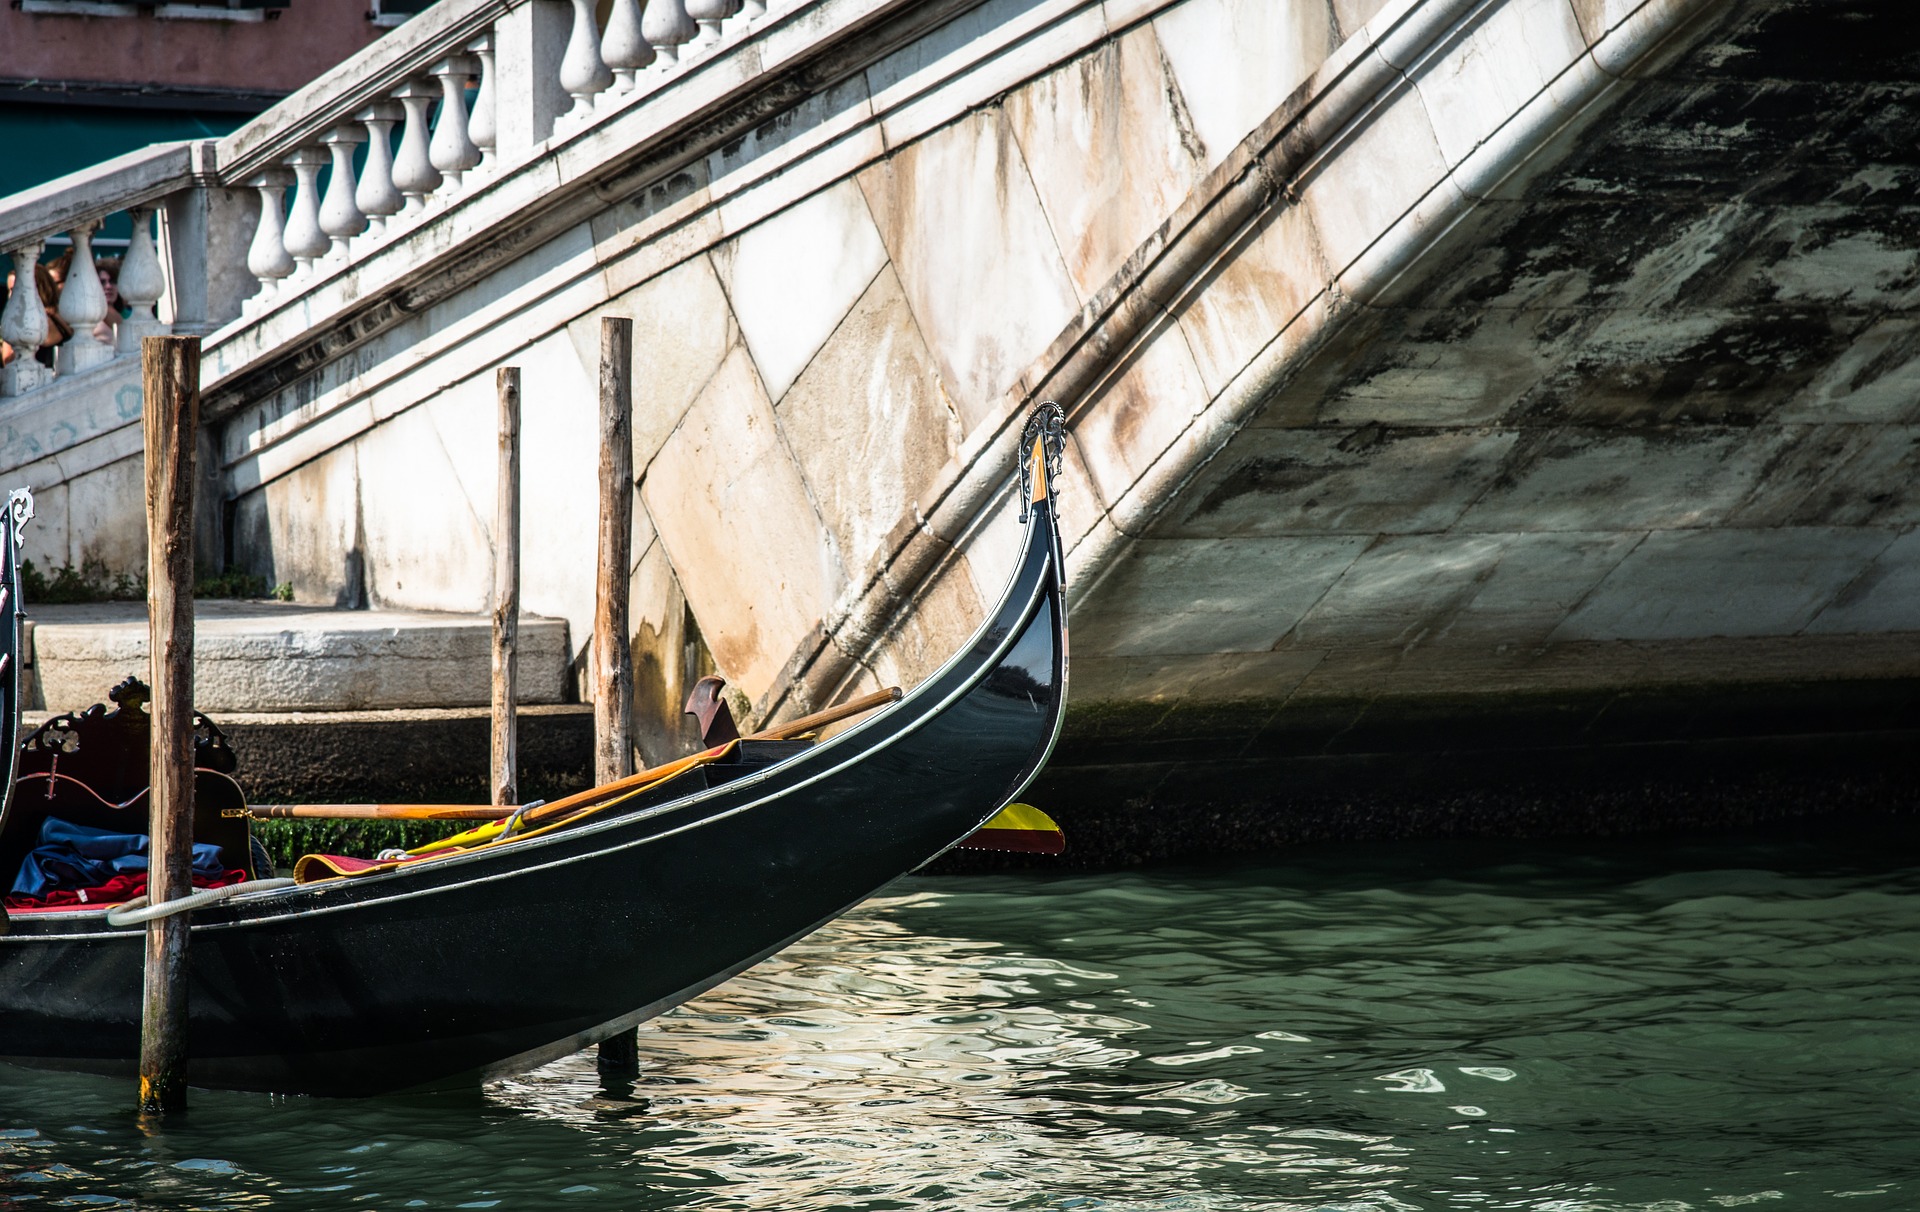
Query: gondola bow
[490,962]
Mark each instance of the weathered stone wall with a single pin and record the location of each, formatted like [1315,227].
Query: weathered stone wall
[77,444]
[1647,420]
[816,338]
[1615,493]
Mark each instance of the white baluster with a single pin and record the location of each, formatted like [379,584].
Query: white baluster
[452,152]
[413,169]
[267,257]
[141,283]
[668,28]
[83,304]
[23,324]
[482,127]
[377,196]
[754,9]
[623,48]
[583,74]
[709,13]
[340,215]
[305,239]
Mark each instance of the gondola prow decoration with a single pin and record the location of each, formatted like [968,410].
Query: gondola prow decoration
[1042,441]
[19,513]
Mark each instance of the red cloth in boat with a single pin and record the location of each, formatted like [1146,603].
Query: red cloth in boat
[325,866]
[116,891]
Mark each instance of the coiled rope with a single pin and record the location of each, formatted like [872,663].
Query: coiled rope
[138,911]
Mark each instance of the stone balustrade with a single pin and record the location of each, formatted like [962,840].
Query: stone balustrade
[81,304]
[433,132]
[352,162]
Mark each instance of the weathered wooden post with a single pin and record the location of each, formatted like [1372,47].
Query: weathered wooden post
[170,373]
[506,590]
[612,657]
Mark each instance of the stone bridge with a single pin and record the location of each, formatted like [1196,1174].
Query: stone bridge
[1447,378]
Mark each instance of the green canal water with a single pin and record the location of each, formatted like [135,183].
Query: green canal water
[1653,1024]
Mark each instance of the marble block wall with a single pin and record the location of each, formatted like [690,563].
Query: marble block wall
[813,346]
[1645,419]
[77,444]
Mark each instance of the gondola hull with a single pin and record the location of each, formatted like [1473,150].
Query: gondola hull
[452,971]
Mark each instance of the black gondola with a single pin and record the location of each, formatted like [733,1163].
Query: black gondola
[482,964]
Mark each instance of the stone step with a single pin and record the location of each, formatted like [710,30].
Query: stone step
[425,755]
[259,656]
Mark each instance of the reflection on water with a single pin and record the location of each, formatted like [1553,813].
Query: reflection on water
[1656,1027]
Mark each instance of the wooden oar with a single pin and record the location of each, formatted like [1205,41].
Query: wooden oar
[806,723]
[820,719]
[487,812]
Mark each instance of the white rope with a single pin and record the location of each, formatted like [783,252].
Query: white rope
[137,910]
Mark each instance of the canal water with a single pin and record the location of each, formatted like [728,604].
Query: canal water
[1650,1024]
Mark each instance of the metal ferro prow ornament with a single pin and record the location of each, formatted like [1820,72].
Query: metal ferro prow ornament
[20,512]
[1048,423]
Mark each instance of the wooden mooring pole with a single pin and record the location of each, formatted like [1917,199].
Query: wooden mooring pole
[170,378]
[505,768]
[612,654]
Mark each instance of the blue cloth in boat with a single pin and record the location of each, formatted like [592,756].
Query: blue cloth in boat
[75,856]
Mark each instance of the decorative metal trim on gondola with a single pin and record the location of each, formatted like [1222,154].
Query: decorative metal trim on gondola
[1047,422]
[12,533]
[20,512]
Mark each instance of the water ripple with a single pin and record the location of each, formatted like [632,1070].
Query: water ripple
[1374,1030]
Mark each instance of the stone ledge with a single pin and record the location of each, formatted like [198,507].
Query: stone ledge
[1309,802]
[1573,765]
[275,657]
[1186,781]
